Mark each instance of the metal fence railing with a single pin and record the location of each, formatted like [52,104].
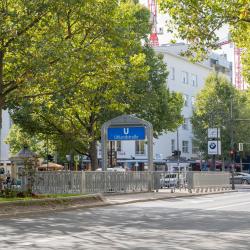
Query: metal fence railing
[91,182]
[124,182]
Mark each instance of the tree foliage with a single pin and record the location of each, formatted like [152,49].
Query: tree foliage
[198,21]
[96,69]
[75,120]
[18,139]
[219,105]
[48,44]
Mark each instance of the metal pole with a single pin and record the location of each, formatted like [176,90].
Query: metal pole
[241,167]
[178,157]
[232,142]
[213,163]
[150,146]
[111,154]
[212,167]
[47,152]
[0,142]
[104,147]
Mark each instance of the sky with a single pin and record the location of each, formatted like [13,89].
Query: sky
[167,37]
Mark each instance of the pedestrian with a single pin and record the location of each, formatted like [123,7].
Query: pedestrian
[7,178]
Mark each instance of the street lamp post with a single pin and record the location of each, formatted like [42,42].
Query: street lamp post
[213,165]
[232,142]
[178,149]
[178,157]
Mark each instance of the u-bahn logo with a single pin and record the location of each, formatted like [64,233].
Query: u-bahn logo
[126,131]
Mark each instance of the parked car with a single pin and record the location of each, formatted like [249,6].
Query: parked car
[169,180]
[114,169]
[241,178]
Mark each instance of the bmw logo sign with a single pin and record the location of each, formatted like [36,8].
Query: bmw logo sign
[212,145]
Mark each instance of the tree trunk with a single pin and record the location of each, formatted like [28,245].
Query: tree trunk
[93,155]
[0,117]
[1,86]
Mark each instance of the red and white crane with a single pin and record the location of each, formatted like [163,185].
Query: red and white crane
[238,79]
[152,5]
[154,41]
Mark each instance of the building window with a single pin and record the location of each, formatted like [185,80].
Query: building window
[184,146]
[139,147]
[184,77]
[194,80]
[193,101]
[172,73]
[185,124]
[195,148]
[118,146]
[185,97]
[173,145]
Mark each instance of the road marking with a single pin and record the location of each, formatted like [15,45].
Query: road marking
[202,200]
[231,205]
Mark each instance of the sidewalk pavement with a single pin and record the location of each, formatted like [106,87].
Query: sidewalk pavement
[116,199]
[37,207]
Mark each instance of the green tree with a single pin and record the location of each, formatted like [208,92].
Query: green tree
[98,78]
[44,44]
[243,125]
[79,49]
[219,105]
[19,24]
[75,120]
[198,21]
[17,139]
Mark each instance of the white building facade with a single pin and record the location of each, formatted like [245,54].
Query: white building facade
[4,148]
[188,79]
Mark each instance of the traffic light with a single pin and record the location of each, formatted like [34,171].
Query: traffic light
[176,153]
[232,154]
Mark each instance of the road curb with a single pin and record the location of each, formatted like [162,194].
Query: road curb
[169,197]
[49,205]
[102,203]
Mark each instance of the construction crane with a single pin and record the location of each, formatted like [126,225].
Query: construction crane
[238,79]
[154,41]
[152,5]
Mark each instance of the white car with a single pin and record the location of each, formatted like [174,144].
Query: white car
[114,169]
[169,180]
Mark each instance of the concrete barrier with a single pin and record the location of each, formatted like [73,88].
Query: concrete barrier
[208,181]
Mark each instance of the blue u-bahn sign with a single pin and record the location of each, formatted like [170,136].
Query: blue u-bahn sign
[126,133]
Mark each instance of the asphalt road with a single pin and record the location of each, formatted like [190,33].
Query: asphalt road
[205,222]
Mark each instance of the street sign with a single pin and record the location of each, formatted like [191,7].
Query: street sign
[213,133]
[214,147]
[126,133]
[240,146]
[127,127]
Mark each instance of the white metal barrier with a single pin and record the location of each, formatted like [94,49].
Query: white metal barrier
[208,181]
[103,182]
[91,182]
